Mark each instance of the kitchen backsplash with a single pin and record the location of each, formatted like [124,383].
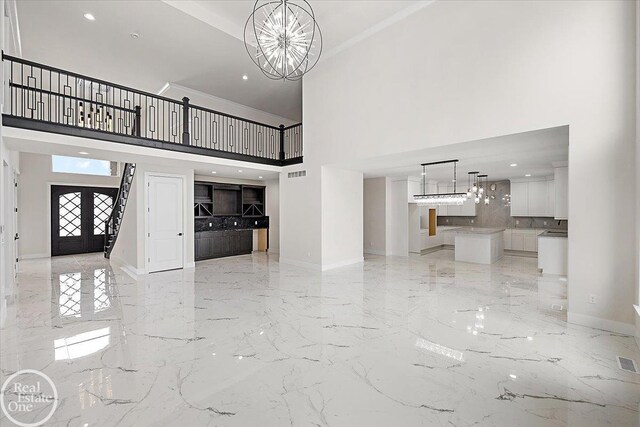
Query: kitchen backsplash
[498,214]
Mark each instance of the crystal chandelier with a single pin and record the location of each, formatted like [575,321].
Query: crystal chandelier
[439,198]
[477,187]
[283,38]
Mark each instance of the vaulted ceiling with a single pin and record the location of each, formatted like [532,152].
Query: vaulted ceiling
[197,44]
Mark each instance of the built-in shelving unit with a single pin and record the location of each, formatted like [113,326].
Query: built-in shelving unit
[252,201]
[226,217]
[212,199]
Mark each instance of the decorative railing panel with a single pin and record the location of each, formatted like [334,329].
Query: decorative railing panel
[62,100]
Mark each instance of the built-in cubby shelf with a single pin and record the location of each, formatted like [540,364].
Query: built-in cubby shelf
[213,199]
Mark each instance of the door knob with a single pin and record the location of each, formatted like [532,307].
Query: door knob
[179,234]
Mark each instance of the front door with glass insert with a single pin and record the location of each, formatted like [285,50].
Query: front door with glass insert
[78,216]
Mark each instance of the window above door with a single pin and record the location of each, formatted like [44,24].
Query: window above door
[84,166]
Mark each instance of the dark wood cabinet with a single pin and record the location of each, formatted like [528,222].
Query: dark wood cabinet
[226,215]
[216,244]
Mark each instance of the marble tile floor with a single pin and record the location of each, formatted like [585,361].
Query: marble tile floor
[245,341]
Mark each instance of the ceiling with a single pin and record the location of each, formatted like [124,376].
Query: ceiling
[193,43]
[339,21]
[173,47]
[533,152]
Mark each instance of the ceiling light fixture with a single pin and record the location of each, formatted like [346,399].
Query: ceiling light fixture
[89,16]
[259,177]
[439,198]
[239,170]
[135,35]
[84,153]
[214,172]
[513,165]
[528,175]
[245,77]
[484,185]
[283,38]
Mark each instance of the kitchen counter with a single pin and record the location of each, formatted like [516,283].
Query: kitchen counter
[475,230]
[555,234]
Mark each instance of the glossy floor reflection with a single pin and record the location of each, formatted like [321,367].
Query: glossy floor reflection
[246,341]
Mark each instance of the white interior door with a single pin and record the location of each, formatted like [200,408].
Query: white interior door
[165,232]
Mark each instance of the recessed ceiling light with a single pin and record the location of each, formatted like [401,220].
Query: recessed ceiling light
[89,16]
[528,175]
[245,77]
[513,165]
[214,172]
[259,177]
[135,35]
[239,170]
[84,153]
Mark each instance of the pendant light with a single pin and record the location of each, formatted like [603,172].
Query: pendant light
[482,189]
[283,38]
[454,198]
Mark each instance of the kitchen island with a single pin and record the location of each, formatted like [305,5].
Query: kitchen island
[552,252]
[478,245]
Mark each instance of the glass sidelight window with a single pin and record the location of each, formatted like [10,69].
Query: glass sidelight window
[102,205]
[70,214]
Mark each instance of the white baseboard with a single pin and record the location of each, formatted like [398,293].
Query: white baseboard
[33,256]
[375,252]
[637,334]
[323,267]
[191,264]
[345,263]
[302,264]
[127,268]
[599,323]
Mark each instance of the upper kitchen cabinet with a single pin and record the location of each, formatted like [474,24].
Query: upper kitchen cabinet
[519,198]
[533,198]
[561,178]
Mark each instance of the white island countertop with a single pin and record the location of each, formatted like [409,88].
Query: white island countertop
[474,230]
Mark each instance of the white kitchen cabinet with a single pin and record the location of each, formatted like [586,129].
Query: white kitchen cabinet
[507,239]
[517,241]
[561,178]
[519,199]
[468,208]
[551,199]
[537,200]
[532,198]
[530,242]
[524,239]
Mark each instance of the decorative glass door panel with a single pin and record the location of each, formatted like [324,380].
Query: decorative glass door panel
[78,216]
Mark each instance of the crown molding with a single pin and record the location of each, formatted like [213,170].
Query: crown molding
[396,17]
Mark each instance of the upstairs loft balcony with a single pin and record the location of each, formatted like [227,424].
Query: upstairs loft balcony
[42,98]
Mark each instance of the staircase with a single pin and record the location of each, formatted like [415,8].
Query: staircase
[114,221]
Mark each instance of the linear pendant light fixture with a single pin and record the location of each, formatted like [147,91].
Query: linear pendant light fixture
[454,198]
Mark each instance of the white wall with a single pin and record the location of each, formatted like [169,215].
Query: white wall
[300,237]
[34,201]
[273,211]
[399,219]
[375,208]
[462,71]
[341,217]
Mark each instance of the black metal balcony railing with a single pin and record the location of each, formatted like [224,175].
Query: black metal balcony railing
[49,99]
